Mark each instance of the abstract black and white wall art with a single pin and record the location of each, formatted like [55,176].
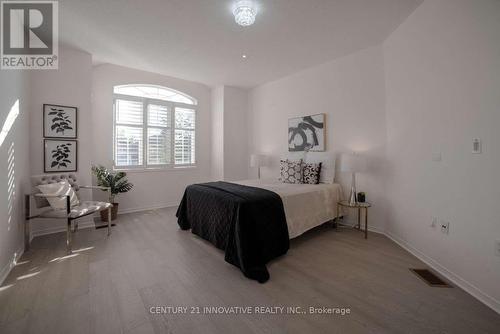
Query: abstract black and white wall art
[59,121]
[306,133]
[60,155]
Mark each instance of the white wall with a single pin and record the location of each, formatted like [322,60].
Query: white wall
[229,133]
[442,80]
[350,91]
[152,189]
[70,86]
[14,163]
[236,158]
[78,83]
[217,112]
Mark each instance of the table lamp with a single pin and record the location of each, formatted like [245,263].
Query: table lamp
[258,160]
[352,163]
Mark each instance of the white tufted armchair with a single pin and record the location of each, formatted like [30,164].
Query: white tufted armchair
[85,208]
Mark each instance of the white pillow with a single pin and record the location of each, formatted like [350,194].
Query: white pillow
[295,156]
[59,188]
[327,174]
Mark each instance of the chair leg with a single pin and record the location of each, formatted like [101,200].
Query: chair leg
[27,212]
[109,221]
[68,238]
[27,235]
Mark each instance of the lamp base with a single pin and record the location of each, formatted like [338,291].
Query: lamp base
[353,196]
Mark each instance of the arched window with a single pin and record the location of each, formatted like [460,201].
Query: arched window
[154,127]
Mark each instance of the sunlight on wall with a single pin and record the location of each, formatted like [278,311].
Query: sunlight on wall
[9,121]
[5,287]
[11,184]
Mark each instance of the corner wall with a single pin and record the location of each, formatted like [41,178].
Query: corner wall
[217,149]
[236,158]
[70,85]
[350,91]
[442,82]
[14,163]
[229,133]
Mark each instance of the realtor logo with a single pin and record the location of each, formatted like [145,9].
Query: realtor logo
[29,37]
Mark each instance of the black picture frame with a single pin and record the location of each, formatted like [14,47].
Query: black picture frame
[48,145]
[60,128]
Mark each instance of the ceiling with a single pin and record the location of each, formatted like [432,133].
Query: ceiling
[198,40]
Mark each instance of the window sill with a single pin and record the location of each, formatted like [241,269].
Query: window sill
[154,170]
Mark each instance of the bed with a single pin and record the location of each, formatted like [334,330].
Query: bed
[306,205]
[253,220]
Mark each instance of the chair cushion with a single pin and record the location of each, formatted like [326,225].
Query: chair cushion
[37,180]
[85,208]
[59,188]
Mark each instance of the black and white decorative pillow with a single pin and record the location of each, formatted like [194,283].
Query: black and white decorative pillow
[291,171]
[311,173]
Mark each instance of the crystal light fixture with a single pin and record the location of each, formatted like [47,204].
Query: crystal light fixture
[244,12]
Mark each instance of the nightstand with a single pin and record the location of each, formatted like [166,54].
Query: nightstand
[360,206]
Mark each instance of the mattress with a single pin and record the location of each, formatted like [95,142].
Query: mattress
[306,205]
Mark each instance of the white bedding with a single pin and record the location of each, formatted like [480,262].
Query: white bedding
[306,205]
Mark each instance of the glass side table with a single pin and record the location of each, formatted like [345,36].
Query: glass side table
[360,206]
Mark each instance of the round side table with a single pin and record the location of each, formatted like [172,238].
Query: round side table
[360,206]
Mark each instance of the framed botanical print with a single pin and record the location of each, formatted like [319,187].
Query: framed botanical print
[59,121]
[60,155]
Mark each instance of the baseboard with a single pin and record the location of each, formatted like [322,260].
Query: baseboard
[370,229]
[448,274]
[352,223]
[148,208]
[5,271]
[56,229]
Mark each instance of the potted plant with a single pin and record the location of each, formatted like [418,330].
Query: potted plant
[118,183]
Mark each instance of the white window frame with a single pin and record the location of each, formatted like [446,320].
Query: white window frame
[145,117]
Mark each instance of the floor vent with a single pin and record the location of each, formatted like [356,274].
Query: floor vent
[430,278]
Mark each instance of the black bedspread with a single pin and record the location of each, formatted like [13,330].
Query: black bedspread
[248,223]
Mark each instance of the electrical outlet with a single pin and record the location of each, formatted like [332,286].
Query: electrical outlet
[497,247]
[434,222]
[445,227]
[476,146]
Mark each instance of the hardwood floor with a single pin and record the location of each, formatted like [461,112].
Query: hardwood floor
[109,286]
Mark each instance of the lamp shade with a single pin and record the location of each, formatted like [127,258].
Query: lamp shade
[258,160]
[352,163]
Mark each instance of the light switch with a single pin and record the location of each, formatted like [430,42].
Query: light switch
[476,145]
[436,156]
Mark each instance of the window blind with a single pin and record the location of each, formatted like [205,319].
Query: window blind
[184,147]
[128,146]
[151,132]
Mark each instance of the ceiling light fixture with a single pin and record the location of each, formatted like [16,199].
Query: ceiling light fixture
[244,12]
